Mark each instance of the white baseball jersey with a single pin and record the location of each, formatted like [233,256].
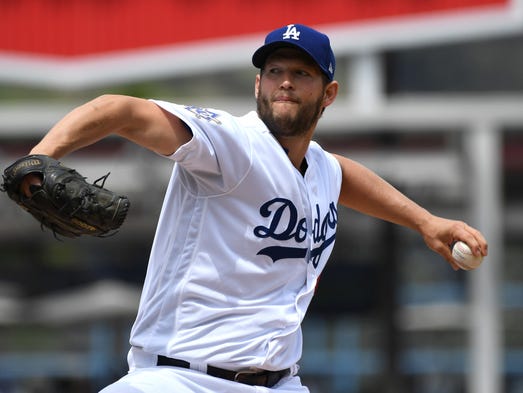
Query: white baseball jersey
[241,239]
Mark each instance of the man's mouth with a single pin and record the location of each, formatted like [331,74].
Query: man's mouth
[285,99]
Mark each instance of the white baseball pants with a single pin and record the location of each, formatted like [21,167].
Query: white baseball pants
[165,379]
[145,377]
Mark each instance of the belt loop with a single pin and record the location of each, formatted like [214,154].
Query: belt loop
[201,367]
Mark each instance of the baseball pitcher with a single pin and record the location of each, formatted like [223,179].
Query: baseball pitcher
[247,224]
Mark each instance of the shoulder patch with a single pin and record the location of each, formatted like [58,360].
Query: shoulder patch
[204,114]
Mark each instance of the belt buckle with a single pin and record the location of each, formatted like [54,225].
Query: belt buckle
[244,373]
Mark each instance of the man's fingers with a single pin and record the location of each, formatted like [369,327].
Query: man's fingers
[30,180]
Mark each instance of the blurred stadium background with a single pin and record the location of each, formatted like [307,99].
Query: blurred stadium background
[431,99]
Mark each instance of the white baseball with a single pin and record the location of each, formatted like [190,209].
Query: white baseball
[464,258]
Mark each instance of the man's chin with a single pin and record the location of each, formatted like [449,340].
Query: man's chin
[285,113]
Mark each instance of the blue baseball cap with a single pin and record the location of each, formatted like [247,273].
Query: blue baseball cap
[315,44]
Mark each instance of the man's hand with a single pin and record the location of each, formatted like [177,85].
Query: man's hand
[440,234]
[30,181]
[60,198]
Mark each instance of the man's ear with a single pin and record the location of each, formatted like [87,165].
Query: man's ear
[331,92]
[257,86]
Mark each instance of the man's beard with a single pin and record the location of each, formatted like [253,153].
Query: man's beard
[288,125]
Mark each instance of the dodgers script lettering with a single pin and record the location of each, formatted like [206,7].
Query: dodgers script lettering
[285,224]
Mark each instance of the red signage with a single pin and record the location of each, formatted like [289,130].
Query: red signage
[81,27]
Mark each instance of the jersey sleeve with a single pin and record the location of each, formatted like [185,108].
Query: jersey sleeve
[218,156]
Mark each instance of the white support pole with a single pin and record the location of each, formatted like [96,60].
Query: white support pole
[366,82]
[484,146]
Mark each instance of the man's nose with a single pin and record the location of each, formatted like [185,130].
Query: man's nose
[287,81]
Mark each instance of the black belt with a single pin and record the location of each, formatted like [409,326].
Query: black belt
[259,378]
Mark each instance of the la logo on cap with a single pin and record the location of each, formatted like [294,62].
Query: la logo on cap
[292,32]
